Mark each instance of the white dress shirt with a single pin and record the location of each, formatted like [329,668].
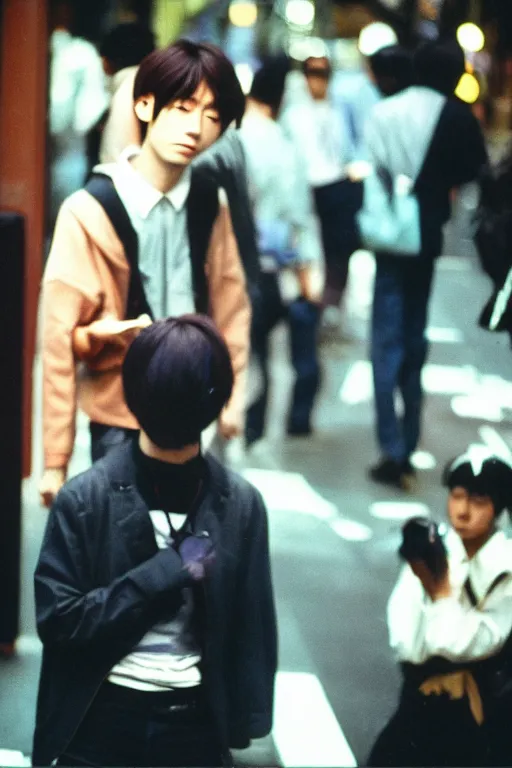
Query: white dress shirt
[451,627]
[160,221]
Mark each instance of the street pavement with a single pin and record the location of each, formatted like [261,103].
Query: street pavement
[333,533]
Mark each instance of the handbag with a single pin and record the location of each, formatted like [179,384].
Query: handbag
[389,220]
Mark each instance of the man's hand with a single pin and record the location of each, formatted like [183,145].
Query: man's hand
[51,483]
[436,587]
[228,425]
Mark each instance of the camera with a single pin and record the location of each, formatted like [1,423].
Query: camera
[422,540]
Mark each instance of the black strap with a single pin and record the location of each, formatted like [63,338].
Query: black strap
[202,210]
[471,594]
[102,188]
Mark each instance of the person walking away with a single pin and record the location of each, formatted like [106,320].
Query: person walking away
[288,241]
[322,139]
[428,136]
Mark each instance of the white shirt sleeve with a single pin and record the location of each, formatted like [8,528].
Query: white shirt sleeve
[451,627]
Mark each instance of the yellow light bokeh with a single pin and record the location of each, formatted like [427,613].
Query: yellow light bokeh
[468,89]
[470,37]
[243,13]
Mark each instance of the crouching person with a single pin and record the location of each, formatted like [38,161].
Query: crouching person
[153,588]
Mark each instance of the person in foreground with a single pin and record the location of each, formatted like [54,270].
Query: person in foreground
[153,589]
[450,623]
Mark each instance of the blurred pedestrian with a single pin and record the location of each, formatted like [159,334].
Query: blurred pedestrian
[427,137]
[322,139]
[121,50]
[143,240]
[153,587]
[450,622]
[288,241]
[77,99]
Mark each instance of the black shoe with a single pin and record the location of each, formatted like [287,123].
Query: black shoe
[387,472]
[299,430]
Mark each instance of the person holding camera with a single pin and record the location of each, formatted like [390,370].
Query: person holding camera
[450,625]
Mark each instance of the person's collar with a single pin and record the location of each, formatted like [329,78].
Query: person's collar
[143,195]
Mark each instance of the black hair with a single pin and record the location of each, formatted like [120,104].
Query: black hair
[176,72]
[439,65]
[269,82]
[392,68]
[177,378]
[493,479]
[127,44]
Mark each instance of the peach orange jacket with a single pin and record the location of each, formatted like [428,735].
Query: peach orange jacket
[86,279]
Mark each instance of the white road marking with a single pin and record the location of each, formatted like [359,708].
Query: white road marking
[423,460]
[291,492]
[12,757]
[351,530]
[495,442]
[398,510]
[357,385]
[445,335]
[306,731]
[477,407]
[449,379]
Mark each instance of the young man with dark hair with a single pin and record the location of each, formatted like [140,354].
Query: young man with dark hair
[144,239]
[153,588]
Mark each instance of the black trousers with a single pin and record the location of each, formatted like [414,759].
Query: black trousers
[104,438]
[302,318]
[125,727]
[336,205]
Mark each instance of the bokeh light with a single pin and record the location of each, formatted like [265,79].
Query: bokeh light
[243,13]
[470,37]
[300,13]
[468,89]
[375,36]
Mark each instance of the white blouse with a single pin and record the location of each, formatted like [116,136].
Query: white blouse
[451,627]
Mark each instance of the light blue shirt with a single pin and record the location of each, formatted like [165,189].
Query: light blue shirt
[160,221]
[277,185]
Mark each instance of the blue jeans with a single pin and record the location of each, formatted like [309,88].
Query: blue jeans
[399,349]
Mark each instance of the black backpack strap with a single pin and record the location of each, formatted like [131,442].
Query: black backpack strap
[102,188]
[202,210]
[471,594]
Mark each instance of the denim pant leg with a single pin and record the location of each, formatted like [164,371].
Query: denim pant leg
[416,350]
[387,353]
[104,438]
[303,320]
[267,311]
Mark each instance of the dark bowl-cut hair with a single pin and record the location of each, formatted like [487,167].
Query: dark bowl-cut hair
[392,68]
[176,72]
[269,82]
[439,64]
[177,378]
[126,45]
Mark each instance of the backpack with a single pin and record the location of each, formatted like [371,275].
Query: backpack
[202,210]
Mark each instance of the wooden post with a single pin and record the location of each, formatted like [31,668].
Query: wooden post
[23,108]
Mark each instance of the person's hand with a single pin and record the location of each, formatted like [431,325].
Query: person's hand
[228,425]
[198,555]
[50,484]
[436,587]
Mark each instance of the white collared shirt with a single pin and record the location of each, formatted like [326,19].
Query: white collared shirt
[451,627]
[160,221]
